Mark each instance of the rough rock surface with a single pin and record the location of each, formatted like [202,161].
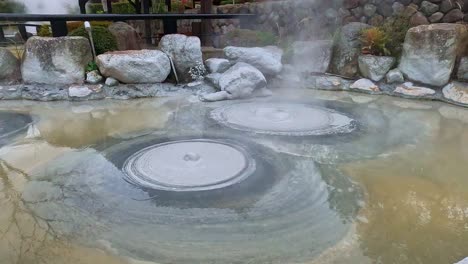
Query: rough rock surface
[266,59]
[93,77]
[365,85]
[135,66]
[83,92]
[312,56]
[375,67]
[126,36]
[430,52]
[462,73]
[9,67]
[347,50]
[185,52]
[217,65]
[240,81]
[111,82]
[456,92]
[408,89]
[56,60]
[395,76]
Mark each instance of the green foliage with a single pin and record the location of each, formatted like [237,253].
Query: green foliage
[72,25]
[248,38]
[12,6]
[374,42]
[104,41]
[117,8]
[395,28]
[92,66]
[44,31]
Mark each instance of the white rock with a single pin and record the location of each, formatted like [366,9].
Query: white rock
[395,76]
[365,85]
[266,59]
[430,52]
[375,67]
[184,51]
[80,91]
[464,261]
[56,60]
[409,89]
[216,65]
[135,66]
[240,81]
[457,92]
[111,82]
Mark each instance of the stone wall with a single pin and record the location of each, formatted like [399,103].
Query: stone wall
[319,18]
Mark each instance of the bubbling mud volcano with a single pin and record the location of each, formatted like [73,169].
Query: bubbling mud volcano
[189,165]
[285,119]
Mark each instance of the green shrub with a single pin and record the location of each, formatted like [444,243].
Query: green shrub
[395,29]
[248,38]
[44,31]
[104,41]
[117,8]
[72,25]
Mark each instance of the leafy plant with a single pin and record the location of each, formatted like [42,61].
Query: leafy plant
[374,42]
[76,24]
[197,72]
[395,29]
[92,66]
[44,31]
[104,41]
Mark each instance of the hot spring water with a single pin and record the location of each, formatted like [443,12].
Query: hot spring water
[336,179]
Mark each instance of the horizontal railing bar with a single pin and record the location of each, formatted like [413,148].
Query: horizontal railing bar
[115,17]
[20,24]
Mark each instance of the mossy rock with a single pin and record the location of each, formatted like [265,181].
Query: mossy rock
[104,41]
[248,38]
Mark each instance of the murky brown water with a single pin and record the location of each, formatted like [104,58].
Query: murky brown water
[415,195]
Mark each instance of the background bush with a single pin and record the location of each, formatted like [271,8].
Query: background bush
[44,31]
[104,41]
[76,24]
[117,8]
[248,38]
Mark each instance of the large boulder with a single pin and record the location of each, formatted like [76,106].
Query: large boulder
[56,60]
[462,73]
[375,67]
[347,50]
[240,81]
[266,59]
[126,36]
[185,52]
[312,56]
[9,67]
[135,66]
[430,52]
[456,92]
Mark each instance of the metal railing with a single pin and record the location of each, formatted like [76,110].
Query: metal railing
[58,23]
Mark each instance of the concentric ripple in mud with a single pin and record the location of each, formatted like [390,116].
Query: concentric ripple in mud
[288,119]
[284,212]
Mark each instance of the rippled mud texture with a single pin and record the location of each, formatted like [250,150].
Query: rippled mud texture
[390,191]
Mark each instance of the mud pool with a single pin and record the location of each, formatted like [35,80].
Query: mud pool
[368,180]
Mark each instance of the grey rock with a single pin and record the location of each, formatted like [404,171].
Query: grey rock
[216,65]
[421,62]
[93,77]
[456,92]
[126,36]
[185,52]
[395,76]
[398,8]
[347,50]
[312,56]
[266,59]
[83,92]
[428,8]
[9,67]
[111,81]
[56,60]
[453,16]
[365,85]
[44,92]
[409,90]
[436,17]
[330,83]
[240,81]
[213,79]
[369,10]
[462,72]
[11,92]
[375,67]
[135,66]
